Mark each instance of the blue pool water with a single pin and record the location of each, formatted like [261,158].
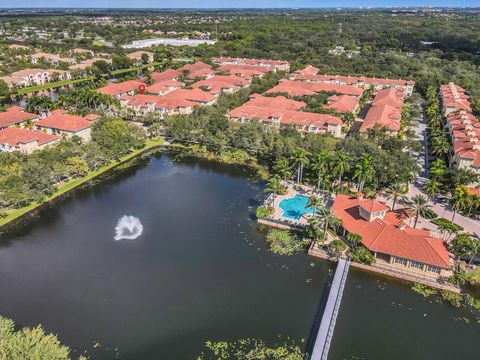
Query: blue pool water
[295,207]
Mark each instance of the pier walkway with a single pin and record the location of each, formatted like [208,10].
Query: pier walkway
[327,324]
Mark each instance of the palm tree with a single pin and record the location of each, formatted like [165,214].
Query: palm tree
[274,185]
[319,164]
[314,202]
[421,208]
[354,239]
[300,158]
[431,188]
[459,199]
[437,169]
[283,168]
[327,219]
[395,192]
[39,104]
[440,147]
[364,171]
[340,165]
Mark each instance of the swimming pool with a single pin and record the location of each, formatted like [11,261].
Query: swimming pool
[296,207]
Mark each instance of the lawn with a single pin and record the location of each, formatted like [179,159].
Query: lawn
[51,85]
[69,185]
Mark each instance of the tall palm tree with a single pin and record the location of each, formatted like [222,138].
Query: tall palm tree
[459,200]
[283,168]
[319,164]
[395,192]
[314,202]
[364,171]
[421,208]
[440,147]
[327,220]
[274,185]
[437,169]
[39,104]
[432,188]
[340,164]
[300,158]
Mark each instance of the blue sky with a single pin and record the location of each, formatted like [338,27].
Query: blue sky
[231,3]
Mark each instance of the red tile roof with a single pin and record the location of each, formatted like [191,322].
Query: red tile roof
[245,71]
[310,74]
[158,102]
[342,103]
[124,87]
[285,117]
[385,236]
[16,136]
[277,102]
[168,74]
[15,115]
[196,95]
[386,111]
[59,120]
[299,88]
[197,70]
[255,62]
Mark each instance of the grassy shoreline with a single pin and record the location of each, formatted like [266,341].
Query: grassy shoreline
[14,214]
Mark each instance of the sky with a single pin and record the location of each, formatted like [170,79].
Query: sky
[233,3]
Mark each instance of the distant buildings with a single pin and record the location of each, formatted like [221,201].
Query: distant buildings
[136,56]
[300,88]
[55,60]
[310,74]
[139,44]
[31,77]
[463,127]
[272,64]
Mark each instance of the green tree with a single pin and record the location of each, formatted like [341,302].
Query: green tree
[395,192]
[283,168]
[30,343]
[354,239]
[364,171]
[421,208]
[340,165]
[301,159]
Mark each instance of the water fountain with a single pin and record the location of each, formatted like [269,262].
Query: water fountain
[128,227]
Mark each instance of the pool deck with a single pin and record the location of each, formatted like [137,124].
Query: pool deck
[277,219]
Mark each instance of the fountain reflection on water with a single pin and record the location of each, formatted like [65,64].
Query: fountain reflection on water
[128,227]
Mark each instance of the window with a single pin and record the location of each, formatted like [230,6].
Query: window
[400,261]
[433,269]
[416,265]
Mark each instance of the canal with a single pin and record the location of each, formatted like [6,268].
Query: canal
[199,271]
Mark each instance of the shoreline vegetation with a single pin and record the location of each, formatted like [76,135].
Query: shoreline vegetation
[234,157]
[15,214]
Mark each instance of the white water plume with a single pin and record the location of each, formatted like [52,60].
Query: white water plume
[128,227]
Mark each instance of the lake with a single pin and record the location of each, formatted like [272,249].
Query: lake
[199,271]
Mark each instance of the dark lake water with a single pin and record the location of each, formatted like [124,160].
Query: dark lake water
[200,271]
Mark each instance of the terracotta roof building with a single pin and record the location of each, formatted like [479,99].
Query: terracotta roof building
[342,103]
[385,111]
[23,140]
[15,116]
[197,70]
[258,109]
[272,64]
[123,88]
[310,74]
[66,125]
[299,88]
[384,233]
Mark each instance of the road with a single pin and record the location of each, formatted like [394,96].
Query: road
[442,210]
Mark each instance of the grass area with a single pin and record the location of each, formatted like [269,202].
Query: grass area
[13,214]
[51,85]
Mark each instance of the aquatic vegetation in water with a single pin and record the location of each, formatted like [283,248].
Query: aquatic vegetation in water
[128,227]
